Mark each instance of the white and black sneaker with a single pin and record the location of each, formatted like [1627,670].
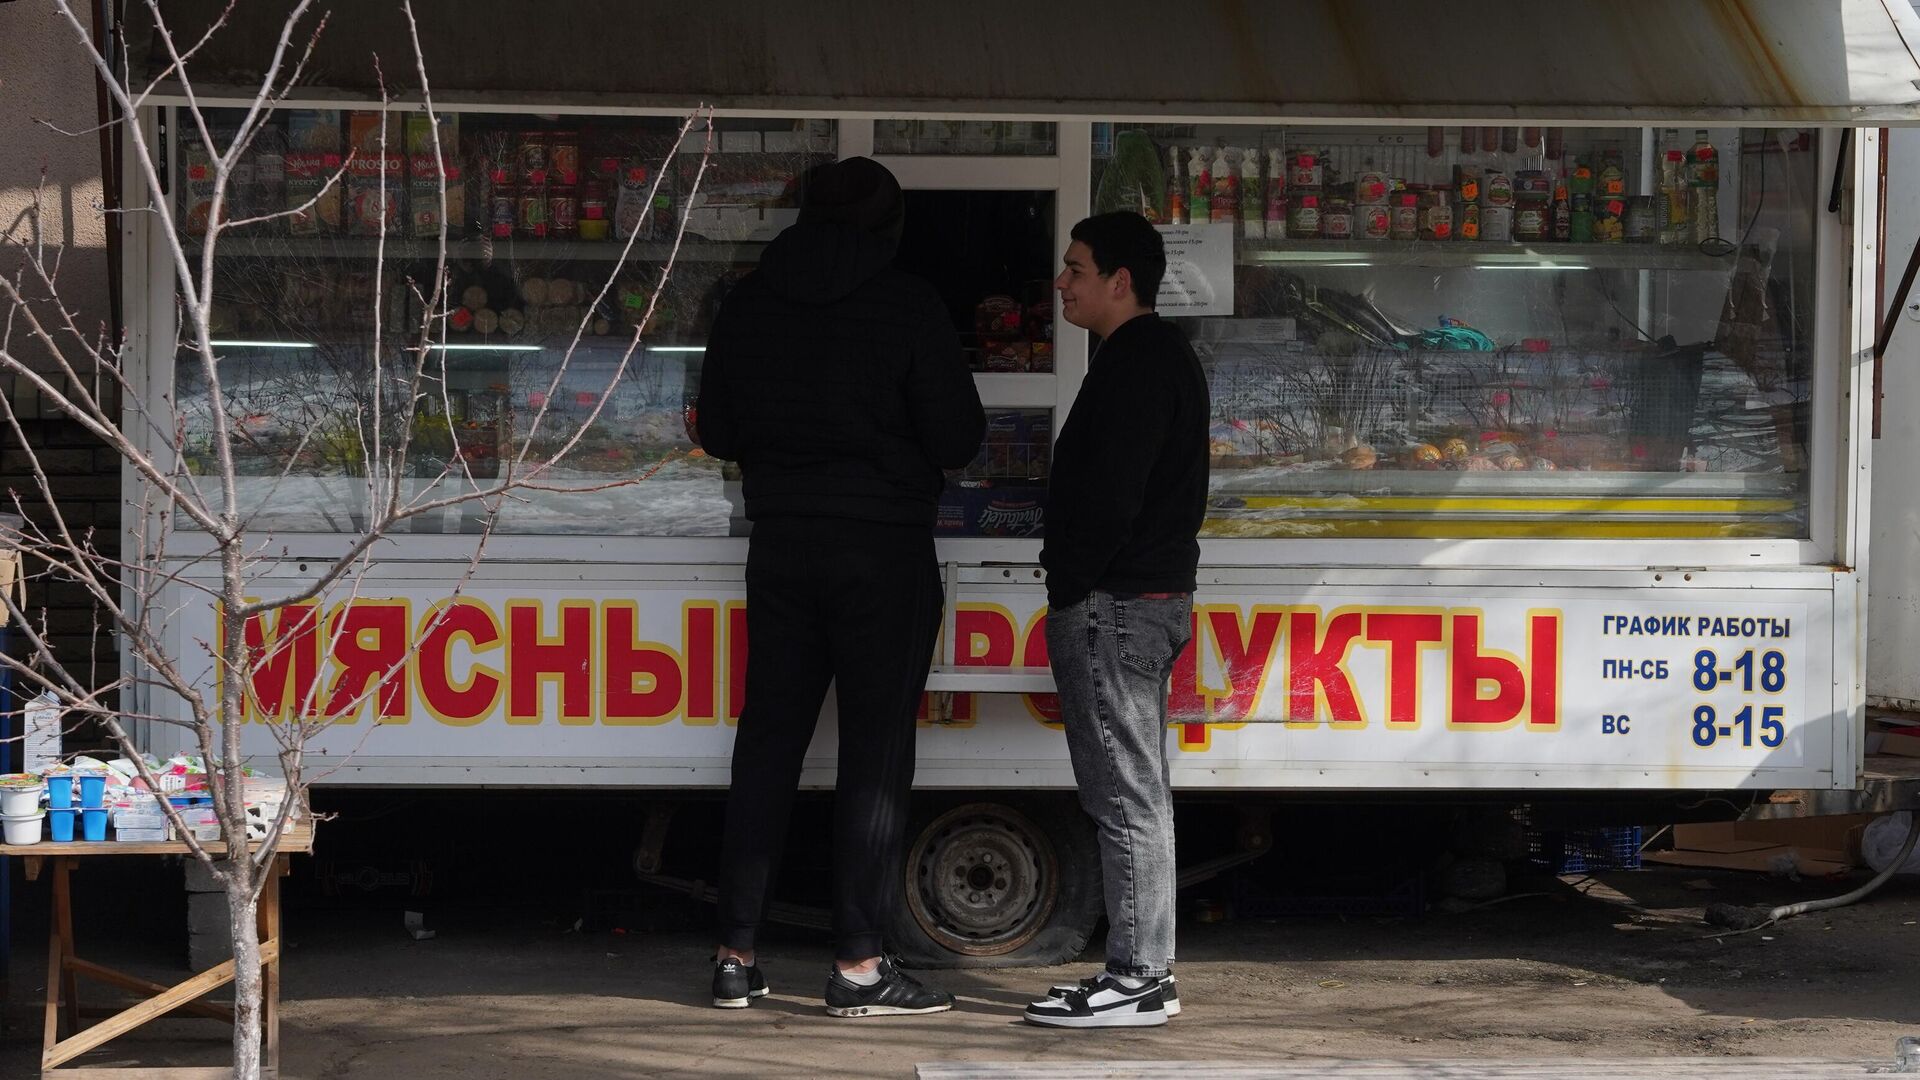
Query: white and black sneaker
[1106,1002]
[1169,991]
[735,984]
[896,994]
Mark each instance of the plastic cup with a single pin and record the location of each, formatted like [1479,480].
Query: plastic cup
[60,791]
[20,801]
[22,828]
[93,790]
[60,824]
[93,823]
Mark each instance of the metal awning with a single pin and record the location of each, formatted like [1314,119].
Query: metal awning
[1849,62]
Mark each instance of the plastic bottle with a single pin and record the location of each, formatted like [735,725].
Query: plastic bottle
[1200,186]
[1276,214]
[1676,226]
[1703,178]
[1253,217]
[1176,189]
[1226,187]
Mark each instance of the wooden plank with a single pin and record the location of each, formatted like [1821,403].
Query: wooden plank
[1563,1069]
[148,1073]
[32,866]
[97,973]
[296,841]
[63,929]
[146,1011]
[270,933]
[55,961]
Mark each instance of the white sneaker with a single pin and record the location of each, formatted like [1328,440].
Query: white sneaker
[1169,991]
[1107,1002]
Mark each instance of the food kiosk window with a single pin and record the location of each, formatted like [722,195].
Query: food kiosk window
[538,211]
[1490,332]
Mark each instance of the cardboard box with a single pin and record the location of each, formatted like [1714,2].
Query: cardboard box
[1815,846]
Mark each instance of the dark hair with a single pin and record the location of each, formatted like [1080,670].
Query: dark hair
[1124,239]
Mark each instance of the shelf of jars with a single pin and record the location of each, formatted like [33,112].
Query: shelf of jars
[1420,254]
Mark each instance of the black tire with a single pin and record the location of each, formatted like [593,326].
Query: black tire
[998,884]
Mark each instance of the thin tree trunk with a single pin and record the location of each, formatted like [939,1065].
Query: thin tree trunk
[242,909]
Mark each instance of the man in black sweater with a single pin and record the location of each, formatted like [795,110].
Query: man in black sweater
[1125,504]
[838,385]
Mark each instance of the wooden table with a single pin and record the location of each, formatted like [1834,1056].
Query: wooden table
[65,968]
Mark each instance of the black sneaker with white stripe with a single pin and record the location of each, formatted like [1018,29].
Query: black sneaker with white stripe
[1106,1002]
[896,994]
[735,984]
[1169,991]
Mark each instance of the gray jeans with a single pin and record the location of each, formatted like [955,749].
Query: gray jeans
[1112,657]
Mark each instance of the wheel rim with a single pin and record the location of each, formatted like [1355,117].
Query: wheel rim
[982,880]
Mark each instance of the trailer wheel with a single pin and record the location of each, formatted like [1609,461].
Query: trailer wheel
[988,885]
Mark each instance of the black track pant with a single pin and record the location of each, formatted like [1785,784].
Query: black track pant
[858,605]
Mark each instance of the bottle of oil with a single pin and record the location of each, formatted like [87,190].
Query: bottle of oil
[1703,182]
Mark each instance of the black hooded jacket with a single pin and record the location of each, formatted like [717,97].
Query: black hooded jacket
[837,382]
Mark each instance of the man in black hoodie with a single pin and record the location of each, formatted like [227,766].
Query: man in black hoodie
[838,385]
[1125,504]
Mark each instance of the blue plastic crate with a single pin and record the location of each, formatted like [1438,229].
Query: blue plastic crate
[1583,851]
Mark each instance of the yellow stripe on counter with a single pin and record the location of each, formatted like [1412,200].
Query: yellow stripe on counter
[1508,504]
[1484,529]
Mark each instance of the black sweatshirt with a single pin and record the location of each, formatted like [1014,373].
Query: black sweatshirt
[837,383]
[1129,486]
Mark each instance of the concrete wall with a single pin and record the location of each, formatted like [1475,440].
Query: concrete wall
[50,191]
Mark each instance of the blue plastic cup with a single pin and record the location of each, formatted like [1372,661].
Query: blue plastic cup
[93,791]
[60,791]
[93,822]
[60,824]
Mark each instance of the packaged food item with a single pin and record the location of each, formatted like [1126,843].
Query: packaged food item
[269,188]
[1276,208]
[1253,220]
[1466,183]
[1200,186]
[1580,225]
[1611,182]
[997,317]
[1496,224]
[1562,220]
[633,217]
[1676,225]
[531,219]
[563,212]
[1376,222]
[1609,219]
[313,156]
[1336,220]
[1303,219]
[1040,357]
[1226,187]
[1703,188]
[1306,173]
[1641,226]
[595,224]
[1467,226]
[1176,189]
[563,157]
[533,158]
[1406,216]
[503,210]
[375,195]
[1436,216]
[1001,356]
[196,195]
[1371,187]
[425,175]
[1498,189]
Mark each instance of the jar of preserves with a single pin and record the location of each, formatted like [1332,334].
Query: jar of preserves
[1406,216]
[1336,221]
[1496,224]
[531,220]
[1376,222]
[533,158]
[1303,218]
[1436,216]
[1498,190]
[563,212]
[563,157]
[1305,171]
